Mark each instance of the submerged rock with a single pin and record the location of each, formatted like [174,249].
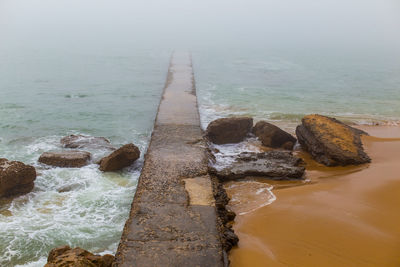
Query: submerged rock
[72,159]
[16,178]
[229,130]
[84,141]
[120,158]
[331,142]
[278,165]
[77,257]
[273,136]
[68,188]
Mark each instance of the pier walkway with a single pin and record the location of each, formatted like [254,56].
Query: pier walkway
[173,219]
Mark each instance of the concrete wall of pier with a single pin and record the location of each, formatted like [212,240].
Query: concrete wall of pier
[173,219]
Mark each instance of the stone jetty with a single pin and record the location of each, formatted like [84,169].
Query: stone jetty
[174,219]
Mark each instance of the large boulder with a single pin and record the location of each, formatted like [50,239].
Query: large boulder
[83,141]
[71,159]
[331,142]
[16,178]
[120,158]
[229,130]
[276,165]
[77,257]
[273,136]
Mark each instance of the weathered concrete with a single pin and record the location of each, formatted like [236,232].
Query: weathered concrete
[173,219]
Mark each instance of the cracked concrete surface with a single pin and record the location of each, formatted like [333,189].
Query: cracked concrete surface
[173,219]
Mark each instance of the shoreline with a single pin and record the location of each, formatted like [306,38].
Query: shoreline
[341,216]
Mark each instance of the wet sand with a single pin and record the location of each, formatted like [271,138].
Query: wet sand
[343,216]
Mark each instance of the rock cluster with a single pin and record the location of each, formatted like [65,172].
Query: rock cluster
[120,158]
[331,142]
[235,130]
[328,140]
[71,158]
[16,178]
[77,257]
[117,160]
[276,164]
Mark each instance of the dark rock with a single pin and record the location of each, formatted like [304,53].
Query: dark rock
[77,257]
[73,158]
[229,130]
[230,216]
[230,239]
[83,141]
[16,178]
[331,142]
[120,158]
[278,165]
[273,136]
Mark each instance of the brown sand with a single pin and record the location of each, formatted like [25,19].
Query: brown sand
[343,217]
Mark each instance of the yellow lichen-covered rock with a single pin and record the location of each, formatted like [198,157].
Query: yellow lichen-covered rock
[77,257]
[330,141]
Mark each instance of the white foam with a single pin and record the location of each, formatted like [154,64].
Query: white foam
[249,196]
[90,215]
[39,263]
[228,152]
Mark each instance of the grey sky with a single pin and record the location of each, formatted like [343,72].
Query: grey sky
[206,22]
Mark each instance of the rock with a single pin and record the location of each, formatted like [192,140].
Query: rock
[84,141]
[77,257]
[16,178]
[331,142]
[72,159]
[120,158]
[230,239]
[277,165]
[68,188]
[273,136]
[229,130]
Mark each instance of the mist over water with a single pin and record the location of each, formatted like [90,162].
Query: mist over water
[283,87]
[98,68]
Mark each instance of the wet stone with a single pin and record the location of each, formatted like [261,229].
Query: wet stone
[277,165]
[331,142]
[69,159]
[229,130]
[16,178]
[84,141]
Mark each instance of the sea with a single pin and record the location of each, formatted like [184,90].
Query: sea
[54,83]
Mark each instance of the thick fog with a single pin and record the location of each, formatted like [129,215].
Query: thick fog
[187,24]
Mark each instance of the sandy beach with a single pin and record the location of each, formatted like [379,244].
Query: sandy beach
[343,216]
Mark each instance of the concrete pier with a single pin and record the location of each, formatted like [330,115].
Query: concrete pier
[173,219]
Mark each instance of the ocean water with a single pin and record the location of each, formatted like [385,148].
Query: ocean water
[47,94]
[283,85]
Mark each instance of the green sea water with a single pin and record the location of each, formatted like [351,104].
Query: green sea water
[46,95]
[284,85]
[48,91]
